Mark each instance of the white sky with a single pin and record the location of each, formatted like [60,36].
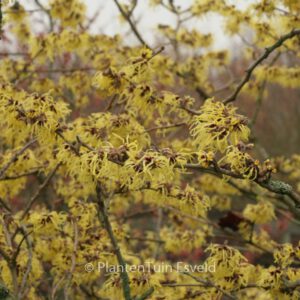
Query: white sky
[148,19]
[109,23]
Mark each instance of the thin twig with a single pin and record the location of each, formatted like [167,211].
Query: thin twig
[42,8]
[16,11]
[138,214]
[259,99]
[14,177]
[208,283]
[275,186]
[146,295]
[12,265]
[130,22]
[107,225]
[165,127]
[38,192]
[25,235]
[4,205]
[15,157]
[73,258]
[14,53]
[252,67]
[145,239]
[28,266]
[56,286]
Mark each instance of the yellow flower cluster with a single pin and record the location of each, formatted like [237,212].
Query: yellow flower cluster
[218,126]
[260,213]
[69,12]
[108,157]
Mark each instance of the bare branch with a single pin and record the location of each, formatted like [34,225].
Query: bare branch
[275,186]
[73,259]
[29,263]
[146,295]
[130,22]
[38,192]
[208,283]
[12,265]
[15,157]
[259,99]
[4,205]
[165,127]
[42,8]
[107,225]
[252,67]
[14,177]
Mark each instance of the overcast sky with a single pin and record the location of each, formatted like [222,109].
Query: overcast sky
[109,22]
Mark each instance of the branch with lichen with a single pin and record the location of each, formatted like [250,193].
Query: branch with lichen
[275,186]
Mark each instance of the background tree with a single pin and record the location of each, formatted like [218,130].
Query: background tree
[125,168]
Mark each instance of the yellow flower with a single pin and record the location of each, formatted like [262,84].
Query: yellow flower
[218,126]
[284,254]
[69,12]
[260,213]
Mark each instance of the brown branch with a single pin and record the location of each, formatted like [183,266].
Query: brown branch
[274,186]
[133,7]
[12,265]
[81,69]
[90,294]
[277,187]
[130,22]
[4,205]
[103,216]
[13,53]
[145,239]
[56,286]
[14,177]
[25,235]
[92,19]
[165,127]
[61,70]
[215,171]
[5,255]
[200,91]
[38,192]
[208,283]
[138,214]
[15,157]
[190,110]
[200,220]
[29,264]
[16,11]
[252,67]
[47,11]
[73,259]
[83,144]
[72,146]
[225,86]
[183,284]
[259,99]
[146,295]
[25,68]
